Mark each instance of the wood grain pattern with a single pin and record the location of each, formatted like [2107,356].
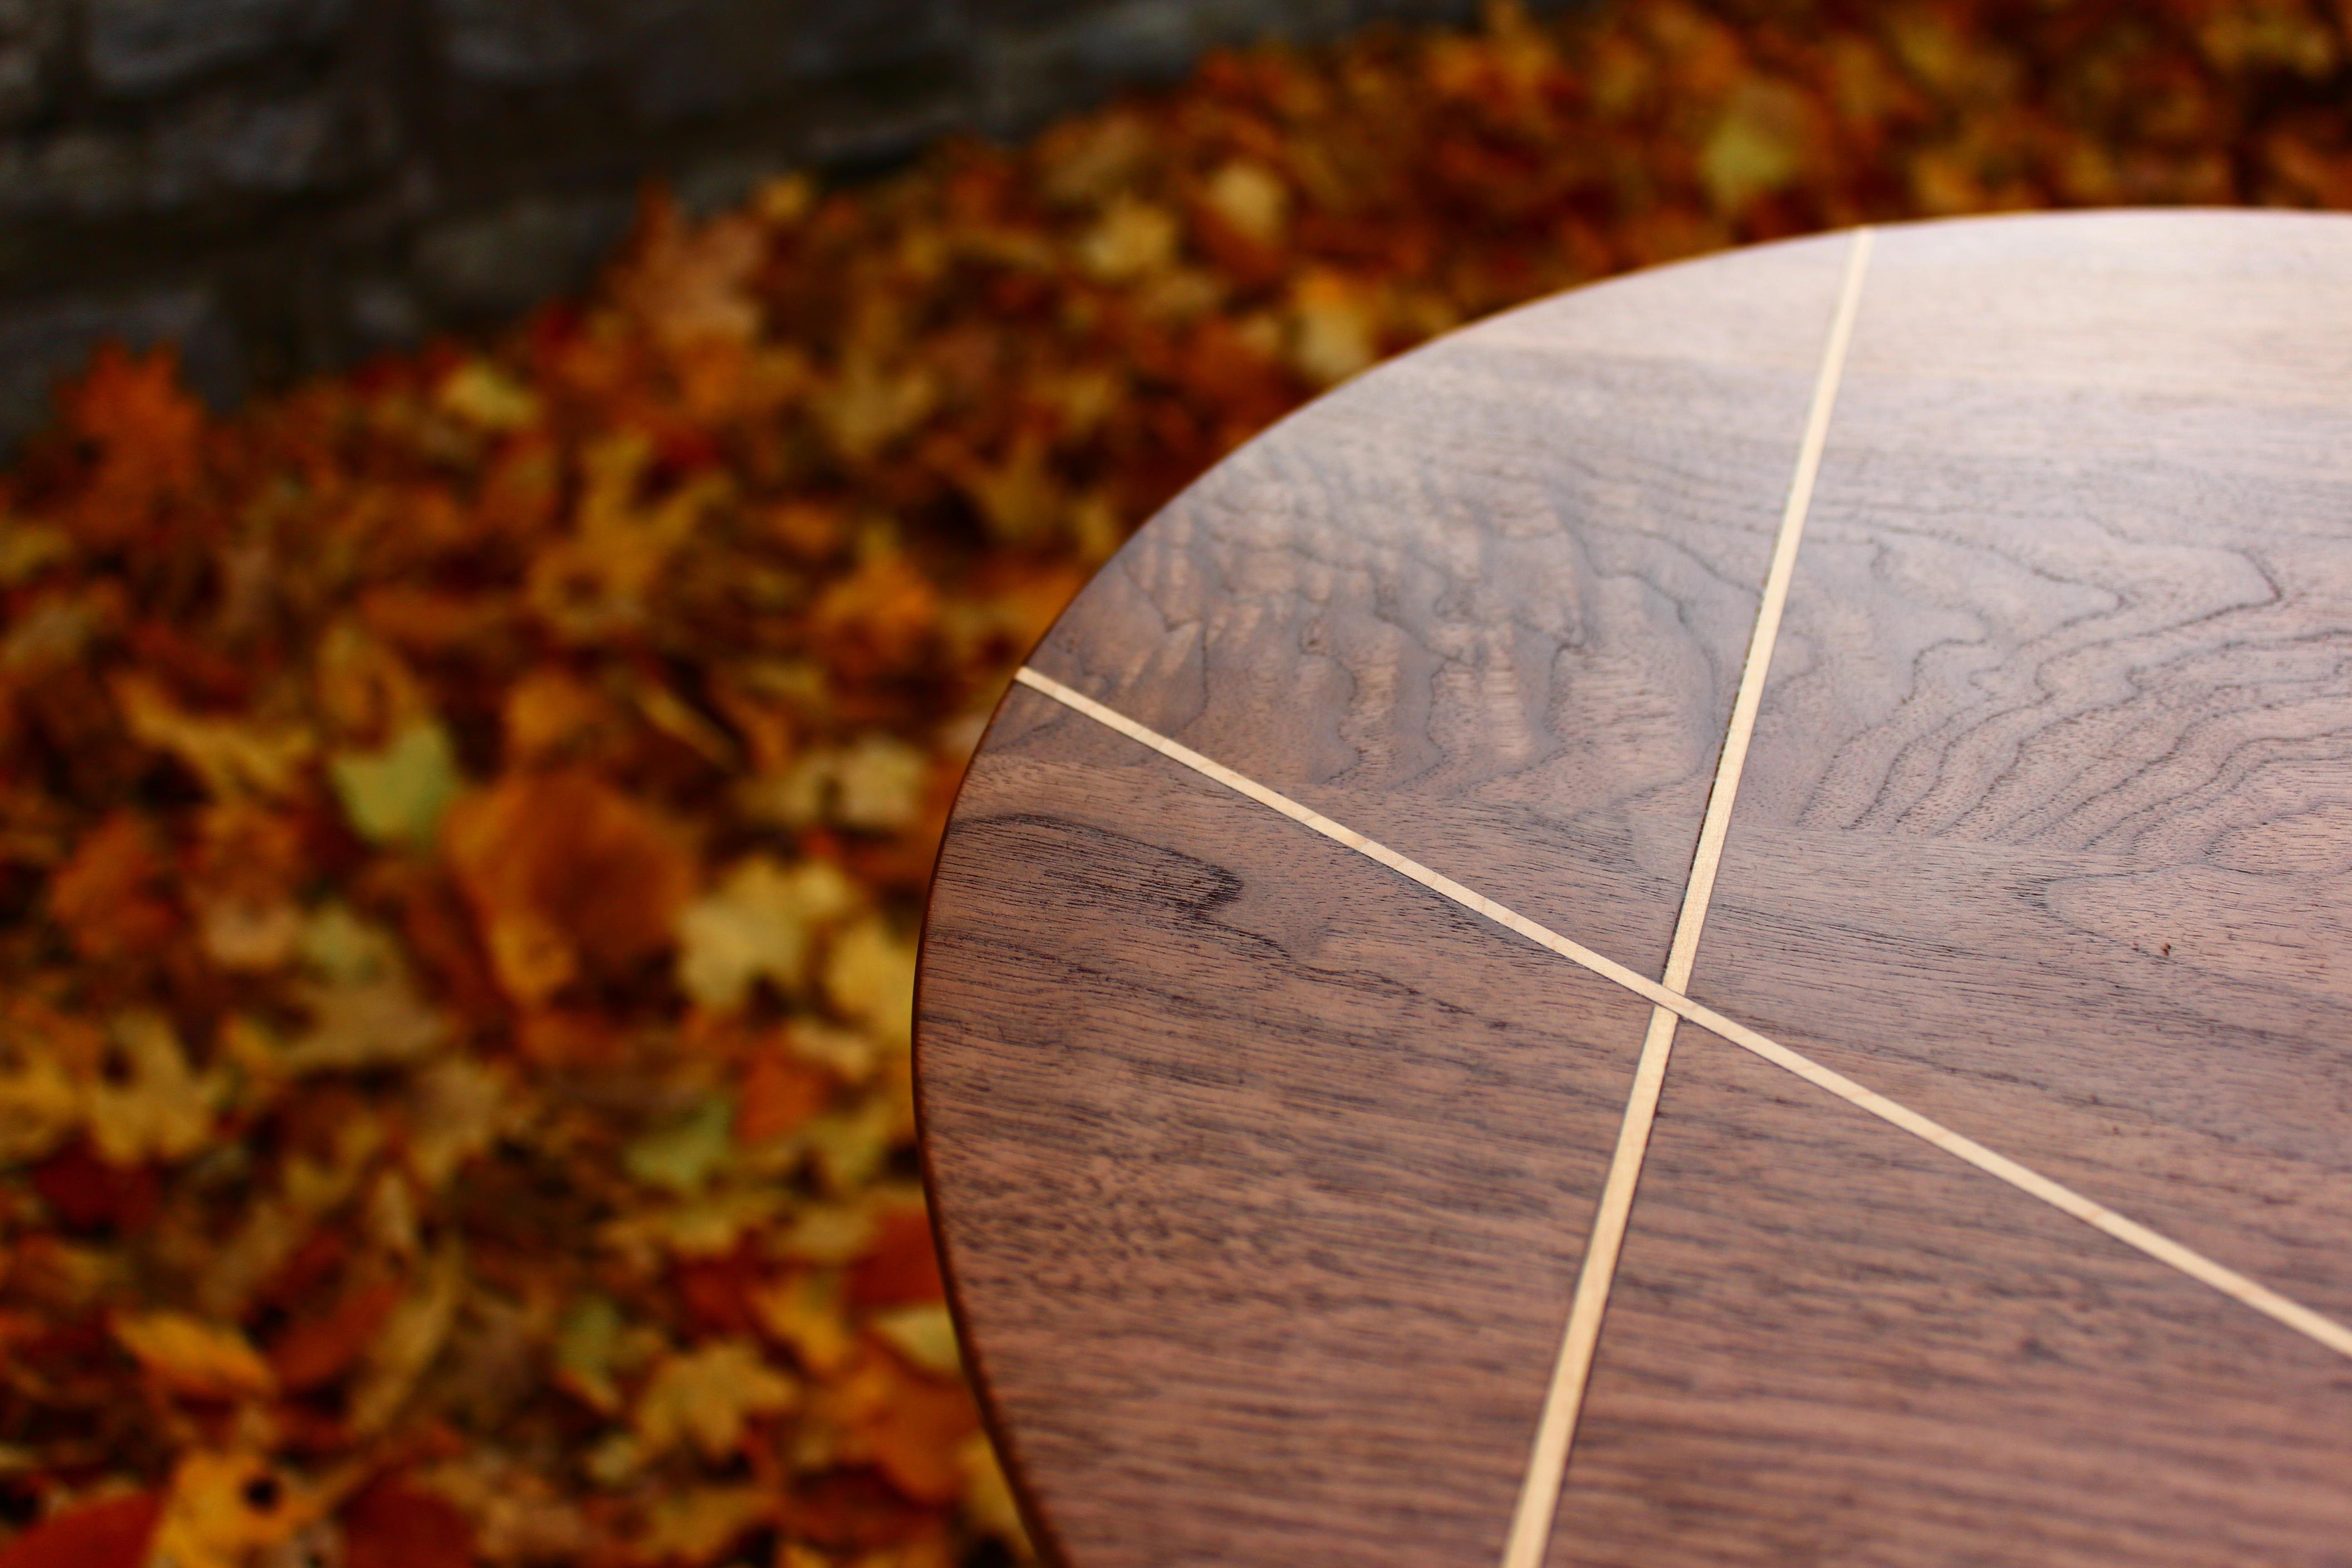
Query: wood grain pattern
[1263,1174]
[1261,1182]
[1832,1344]
[2054,777]
[1488,605]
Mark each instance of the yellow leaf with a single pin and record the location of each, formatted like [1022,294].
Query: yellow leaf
[869,406]
[828,1233]
[1253,198]
[686,1153]
[869,975]
[706,1397]
[230,757]
[705,1227]
[1758,147]
[224,1508]
[399,794]
[879,784]
[483,395]
[160,1109]
[1134,238]
[27,548]
[1019,498]
[188,1355]
[587,1346]
[697,1525]
[1334,329]
[987,1499]
[760,924]
[925,1334]
[368,1012]
[407,1344]
[356,1027]
[851,1145]
[39,1106]
[805,1314]
[845,1053]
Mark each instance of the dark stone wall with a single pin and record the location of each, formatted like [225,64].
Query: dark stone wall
[285,185]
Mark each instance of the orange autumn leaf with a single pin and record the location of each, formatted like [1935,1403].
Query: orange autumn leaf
[913,1425]
[188,1355]
[109,896]
[691,284]
[318,1350]
[779,1094]
[878,619]
[568,877]
[147,434]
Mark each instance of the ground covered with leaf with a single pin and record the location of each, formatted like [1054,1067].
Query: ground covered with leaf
[463,825]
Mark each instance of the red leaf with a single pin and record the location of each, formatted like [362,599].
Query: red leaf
[87,1193]
[109,1534]
[316,1351]
[716,1291]
[903,1269]
[392,1525]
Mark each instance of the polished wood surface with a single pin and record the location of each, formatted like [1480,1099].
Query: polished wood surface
[1263,1174]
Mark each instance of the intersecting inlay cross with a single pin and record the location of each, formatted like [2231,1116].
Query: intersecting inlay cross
[1710,923]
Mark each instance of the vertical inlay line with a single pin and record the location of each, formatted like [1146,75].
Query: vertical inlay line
[1546,1471]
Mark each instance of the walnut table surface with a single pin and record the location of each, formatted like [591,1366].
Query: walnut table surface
[1831,764]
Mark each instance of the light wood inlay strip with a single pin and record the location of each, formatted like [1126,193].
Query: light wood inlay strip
[2324,1330]
[1580,1341]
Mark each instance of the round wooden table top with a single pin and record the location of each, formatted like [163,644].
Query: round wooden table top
[1956,620]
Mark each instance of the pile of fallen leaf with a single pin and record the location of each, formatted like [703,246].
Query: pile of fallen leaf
[463,825]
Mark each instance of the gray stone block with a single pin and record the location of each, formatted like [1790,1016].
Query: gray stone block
[492,264]
[225,146]
[827,38]
[29,31]
[384,313]
[231,146]
[46,340]
[527,43]
[144,46]
[286,168]
[76,173]
[697,59]
[1030,72]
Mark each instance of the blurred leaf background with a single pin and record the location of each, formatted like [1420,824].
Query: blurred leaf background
[464,823]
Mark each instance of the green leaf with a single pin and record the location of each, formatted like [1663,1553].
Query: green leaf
[683,1156]
[399,794]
